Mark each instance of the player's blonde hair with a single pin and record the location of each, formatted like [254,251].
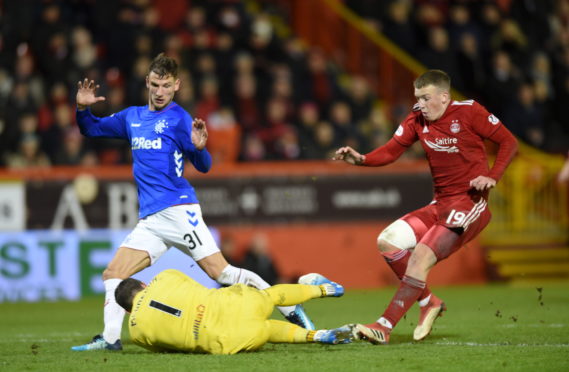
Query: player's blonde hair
[437,78]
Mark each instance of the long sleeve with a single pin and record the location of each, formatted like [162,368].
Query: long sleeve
[201,159]
[508,147]
[93,126]
[385,154]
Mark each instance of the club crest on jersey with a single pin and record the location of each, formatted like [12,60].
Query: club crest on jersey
[455,126]
[492,119]
[160,126]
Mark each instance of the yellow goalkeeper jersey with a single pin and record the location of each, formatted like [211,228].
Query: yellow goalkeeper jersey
[176,313]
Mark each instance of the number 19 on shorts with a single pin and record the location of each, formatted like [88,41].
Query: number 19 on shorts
[456,218]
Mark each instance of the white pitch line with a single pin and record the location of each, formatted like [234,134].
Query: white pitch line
[476,344]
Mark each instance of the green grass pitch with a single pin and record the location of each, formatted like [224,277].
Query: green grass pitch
[486,328]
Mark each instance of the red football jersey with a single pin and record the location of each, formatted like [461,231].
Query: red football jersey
[454,144]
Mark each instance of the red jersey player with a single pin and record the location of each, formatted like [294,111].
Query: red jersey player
[452,134]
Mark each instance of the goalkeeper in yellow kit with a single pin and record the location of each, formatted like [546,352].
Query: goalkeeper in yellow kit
[176,313]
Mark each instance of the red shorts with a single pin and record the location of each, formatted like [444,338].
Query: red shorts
[463,215]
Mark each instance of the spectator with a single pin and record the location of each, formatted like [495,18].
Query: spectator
[27,125]
[253,148]
[319,81]
[29,155]
[525,118]
[186,95]
[533,18]
[287,146]
[53,137]
[541,71]
[325,142]
[344,126]
[439,55]
[84,51]
[224,52]
[308,118]
[511,39]
[471,66]
[55,60]
[398,27]
[73,151]
[58,94]
[282,88]
[257,258]
[490,19]
[502,81]
[377,128]
[276,126]
[359,98]
[555,139]
[209,101]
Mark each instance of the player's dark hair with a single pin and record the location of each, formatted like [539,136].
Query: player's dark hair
[437,78]
[164,66]
[125,292]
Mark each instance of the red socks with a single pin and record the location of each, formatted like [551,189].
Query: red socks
[398,260]
[409,291]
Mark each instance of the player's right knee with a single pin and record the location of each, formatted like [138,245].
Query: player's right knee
[399,235]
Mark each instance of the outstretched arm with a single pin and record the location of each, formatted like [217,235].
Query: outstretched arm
[90,125]
[383,155]
[86,94]
[508,146]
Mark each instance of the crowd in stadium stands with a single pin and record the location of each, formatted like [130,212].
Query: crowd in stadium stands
[266,97]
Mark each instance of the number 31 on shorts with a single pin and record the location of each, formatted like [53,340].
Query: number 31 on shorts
[193,239]
[456,218]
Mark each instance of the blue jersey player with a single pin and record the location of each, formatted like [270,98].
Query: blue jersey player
[162,136]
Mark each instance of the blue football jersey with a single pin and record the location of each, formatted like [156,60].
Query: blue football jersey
[160,142]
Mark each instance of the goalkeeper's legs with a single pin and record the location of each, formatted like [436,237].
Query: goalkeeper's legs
[290,294]
[284,332]
[233,275]
[293,294]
